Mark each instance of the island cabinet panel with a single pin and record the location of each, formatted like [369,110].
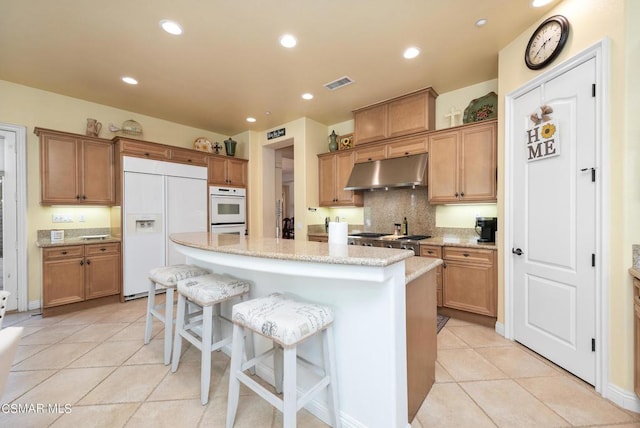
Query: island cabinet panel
[434,251]
[636,333]
[469,280]
[421,339]
[225,171]
[463,164]
[78,273]
[75,169]
[334,170]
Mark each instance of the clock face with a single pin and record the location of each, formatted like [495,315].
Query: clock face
[546,42]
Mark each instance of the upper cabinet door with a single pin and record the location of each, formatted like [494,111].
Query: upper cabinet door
[478,158]
[443,167]
[237,172]
[97,175]
[411,114]
[370,124]
[59,169]
[75,169]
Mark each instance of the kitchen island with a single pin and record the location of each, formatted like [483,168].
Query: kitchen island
[368,289]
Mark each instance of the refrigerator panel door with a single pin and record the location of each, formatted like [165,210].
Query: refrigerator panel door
[143,230]
[186,210]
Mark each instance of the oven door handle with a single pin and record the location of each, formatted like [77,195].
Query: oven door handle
[226,223]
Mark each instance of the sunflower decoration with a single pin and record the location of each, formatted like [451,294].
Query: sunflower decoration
[548,130]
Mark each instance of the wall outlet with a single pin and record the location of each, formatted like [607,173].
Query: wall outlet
[82,217]
[61,218]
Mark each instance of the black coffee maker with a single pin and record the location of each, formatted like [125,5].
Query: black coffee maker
[486,227]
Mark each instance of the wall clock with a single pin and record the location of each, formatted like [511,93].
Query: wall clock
[546,42]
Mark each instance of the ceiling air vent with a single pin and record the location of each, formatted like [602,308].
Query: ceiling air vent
[339,83]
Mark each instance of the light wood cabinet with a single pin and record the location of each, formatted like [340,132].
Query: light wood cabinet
[470,280]
[77,273]
[463,164]
[189,157]
[405,115]
[434,251]
[406,147]
[75,169]
[318,238]
[334,170]
[144,149]
[636,333]
[227,171]
[368,153]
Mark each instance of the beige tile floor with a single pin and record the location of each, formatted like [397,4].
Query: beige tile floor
[95,362]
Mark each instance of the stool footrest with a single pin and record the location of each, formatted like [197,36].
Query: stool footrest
[260,390]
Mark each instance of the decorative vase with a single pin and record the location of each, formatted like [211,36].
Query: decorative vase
[93,127]
[230,147]
[333,141]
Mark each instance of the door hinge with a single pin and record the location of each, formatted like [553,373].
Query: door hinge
[593,90]
[593,345]
[593,260]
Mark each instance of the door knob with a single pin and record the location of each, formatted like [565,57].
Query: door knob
[517,251]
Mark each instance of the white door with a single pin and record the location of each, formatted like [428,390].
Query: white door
[186,210]
[553,221]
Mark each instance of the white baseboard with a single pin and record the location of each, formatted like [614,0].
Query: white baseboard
[500,328]
[626,399]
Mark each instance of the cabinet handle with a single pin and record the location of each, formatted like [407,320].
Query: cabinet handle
[188,160]
[406,153]
[368,159]
[77,197]
[64,253]
[146,154]
[84,196]
[462,194]
[465,254]
[88,261]
[81,262]
[429,252]
[103,249]
[456,194]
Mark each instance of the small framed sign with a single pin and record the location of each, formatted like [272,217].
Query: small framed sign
[543,141]
[276,133]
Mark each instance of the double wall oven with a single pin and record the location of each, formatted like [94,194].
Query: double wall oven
[228,210]
[384,240]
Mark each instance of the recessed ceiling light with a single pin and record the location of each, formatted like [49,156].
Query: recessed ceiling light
[129,80]
[540,3]
[411,52]
[171,27]
[251,119]
[288,41]
[481,22]
[307,96]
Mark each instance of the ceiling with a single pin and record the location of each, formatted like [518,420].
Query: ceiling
[229,65]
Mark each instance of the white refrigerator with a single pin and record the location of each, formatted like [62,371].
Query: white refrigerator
[160,198]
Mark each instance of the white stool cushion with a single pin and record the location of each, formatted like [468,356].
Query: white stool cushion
[281,319]
[207,290]
[168,276]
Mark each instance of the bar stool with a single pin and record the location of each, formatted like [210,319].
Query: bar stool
[206,292]
[166,277]
[287,323]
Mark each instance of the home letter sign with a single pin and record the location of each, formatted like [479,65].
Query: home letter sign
[542,141]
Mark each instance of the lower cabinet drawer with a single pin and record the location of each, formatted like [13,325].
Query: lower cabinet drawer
[100,249]
[58,253]
[471,255]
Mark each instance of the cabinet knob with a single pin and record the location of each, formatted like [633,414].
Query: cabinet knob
[465,254]
[462,194]
[81,262]
[369,159]
[88,261]
[188,160]
[146,154]
[456,194]
[78,197]
[406,153]
[64,253]
[103,249]
[84,196]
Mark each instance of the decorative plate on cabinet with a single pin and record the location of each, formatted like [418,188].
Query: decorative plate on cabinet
[482,108]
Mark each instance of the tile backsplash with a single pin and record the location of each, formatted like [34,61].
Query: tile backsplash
[384,208]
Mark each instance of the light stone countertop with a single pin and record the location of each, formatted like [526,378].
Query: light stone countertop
[46,242]
[417,266]
[451,241]
[292,249]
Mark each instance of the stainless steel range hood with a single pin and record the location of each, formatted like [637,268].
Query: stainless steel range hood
[406,171]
